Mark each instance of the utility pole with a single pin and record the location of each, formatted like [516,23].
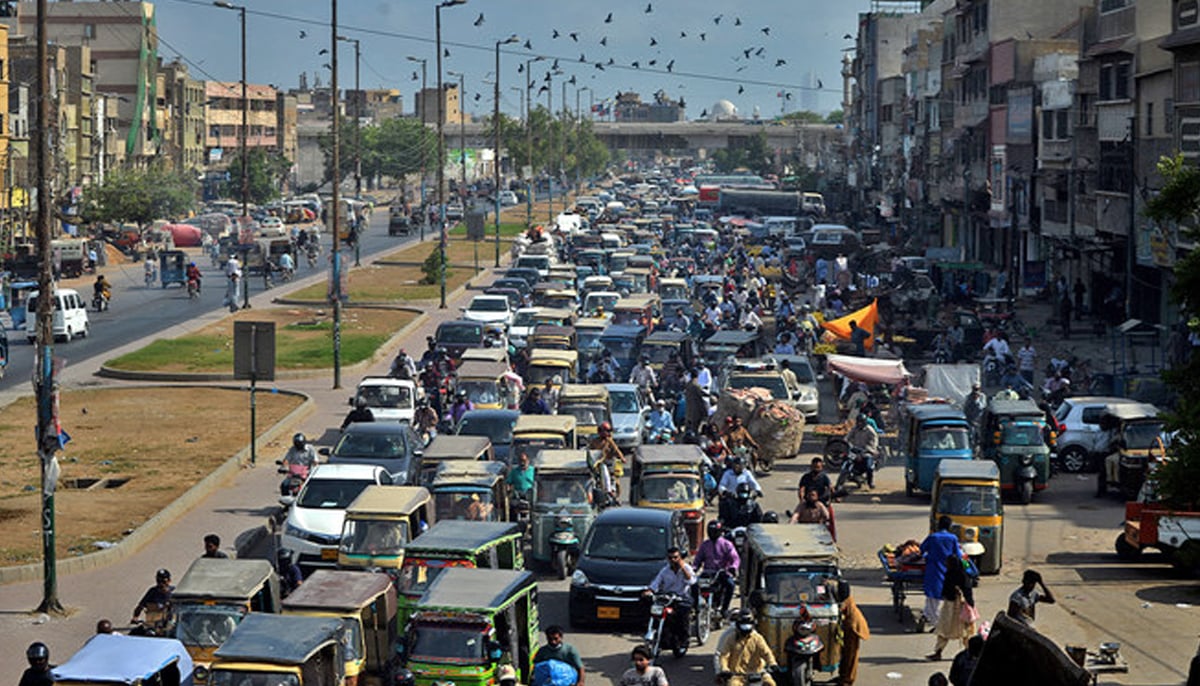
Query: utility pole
[441,161]
[242,146]
[358,103]
[335,199]
[424,148]
[529,140]
[1131,244]
[44,386]
[496,140]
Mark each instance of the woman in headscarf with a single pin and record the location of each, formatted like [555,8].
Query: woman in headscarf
[854,632]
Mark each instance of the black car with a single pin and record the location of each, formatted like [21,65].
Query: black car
[519,284]
[460,334]
[496,425]
[621,554]
[529,275]
[391,445]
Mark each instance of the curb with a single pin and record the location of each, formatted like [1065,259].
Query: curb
[150,529]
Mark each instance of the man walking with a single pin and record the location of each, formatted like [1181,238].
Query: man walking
[556,650]
[940,548]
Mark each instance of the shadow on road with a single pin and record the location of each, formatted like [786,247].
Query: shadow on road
[1187,593]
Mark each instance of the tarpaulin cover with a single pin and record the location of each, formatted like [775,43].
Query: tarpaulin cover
[184,235]
[864,318]
[951,381]
[867,369]
[112,658]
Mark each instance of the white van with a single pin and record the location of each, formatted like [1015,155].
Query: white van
[70,316]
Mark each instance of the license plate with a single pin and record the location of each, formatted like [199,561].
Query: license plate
[608,613]
[329,554]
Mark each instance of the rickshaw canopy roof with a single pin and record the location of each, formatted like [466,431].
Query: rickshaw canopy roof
[868,369]
[460,534]
[466,588]
[481,369]
[978,470]
[485,354]
[667,454]
[793,541]
[1015,408]
[731,337]
[1131,410]
[553,330]
[665,337]
[591,323]
[380,499]
[446,446]
[557,357]
[117,659]
[281,639]
[465,474]
[562,461]
[223,578]
[636,301]
[543,423]
[554,314]
[936,412]
[338,589]
[622,331]
[582,392]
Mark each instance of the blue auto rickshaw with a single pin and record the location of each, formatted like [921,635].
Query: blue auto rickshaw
[117,660]
[173,267]
[929,434]
[15,298]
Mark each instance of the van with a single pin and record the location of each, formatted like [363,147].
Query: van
[70,316]
[812,203]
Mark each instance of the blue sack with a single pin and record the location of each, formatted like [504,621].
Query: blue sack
[554,673]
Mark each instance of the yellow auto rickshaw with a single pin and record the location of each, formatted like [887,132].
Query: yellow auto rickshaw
[447,448]
[551,337]
[282,649]
[212,598]
[544,365]
[671,477]
[968,492]
[589,404]
[484,384]
[378,524]
[534,433]
[499,355]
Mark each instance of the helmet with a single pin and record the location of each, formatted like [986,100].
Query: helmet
[283,555]
[605,428]
[162,575]
[299,441]
[37,651]
[743,619]
[714,528]
[770,518]
[461,395]
[743,491]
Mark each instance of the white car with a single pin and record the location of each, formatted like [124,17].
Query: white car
[523,322]
[388,399]
[313,527]
[271,226]
[508,198]
[489,309]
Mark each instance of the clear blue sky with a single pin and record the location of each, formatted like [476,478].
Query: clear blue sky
[808,35]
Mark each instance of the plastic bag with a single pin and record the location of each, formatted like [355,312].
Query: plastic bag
[554,673]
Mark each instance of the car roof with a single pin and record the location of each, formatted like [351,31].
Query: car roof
[343,470]
[377,428]
[635,515]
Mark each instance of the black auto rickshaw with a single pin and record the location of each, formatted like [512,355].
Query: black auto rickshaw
[731,343]
[172,267]
[1016,438]
[213,597]
[281,649]
[659,345]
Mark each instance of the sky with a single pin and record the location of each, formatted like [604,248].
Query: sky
[793,46]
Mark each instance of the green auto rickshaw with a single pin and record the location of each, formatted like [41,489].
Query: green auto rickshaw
[564,505]
[1015,437]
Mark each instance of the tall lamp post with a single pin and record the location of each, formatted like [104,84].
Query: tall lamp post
[335,200]
[241,10]
[529,140]
[441,159]
[462,153]
[424,151]
[358,103]
[550,111]
[496,139]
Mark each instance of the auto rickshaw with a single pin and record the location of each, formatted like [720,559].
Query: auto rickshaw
[270,650]
[968,492]
[659,345]
[119,660]
[449,448]
[213,596]
[624,342]
[731,343]
[1134,433]
[172,267]
[468,624]
[671,477]
[482,381]
[534,433]
[564,505]
[485,355]
[589,404]
[673,289]
[789,566]
[638,310]
[547,364]
[379,523]
[929,434]
[470,491]
[643,279]
[550,337]
[1015,438]
[587,338]
[453,543]
[365,603]
[560,298]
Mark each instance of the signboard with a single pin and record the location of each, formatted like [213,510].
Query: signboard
[997,179]
[1154,246]
[527,172]
[254,351]
[215,154]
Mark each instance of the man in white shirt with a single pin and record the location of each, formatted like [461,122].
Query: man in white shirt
[704,377]
[1027,360]
[998,346]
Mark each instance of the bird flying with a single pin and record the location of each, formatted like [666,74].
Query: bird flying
[304,34]
[671,65]
[608,19]
[574,36]
[653,42]
[554,33]
[737,21]
[780,63]
[528,45]
[604,40]
[741,89]
[479,19]
[766,30]
[649,8]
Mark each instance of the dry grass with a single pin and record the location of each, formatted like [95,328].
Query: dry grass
[182,434]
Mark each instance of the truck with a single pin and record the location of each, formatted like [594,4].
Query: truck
[1175,533]
[759,202]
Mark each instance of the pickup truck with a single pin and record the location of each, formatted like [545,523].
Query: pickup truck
[1174,533]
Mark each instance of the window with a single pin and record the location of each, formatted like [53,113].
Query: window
[1169,115]
[89,30]
[1187,83]
[1114,167]
[1055,125]
[1149,119]
[1114,5]
[885,114]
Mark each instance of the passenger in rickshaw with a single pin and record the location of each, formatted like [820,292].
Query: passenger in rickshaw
[940,439]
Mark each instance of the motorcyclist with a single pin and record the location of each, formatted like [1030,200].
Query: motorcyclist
[1012,379]
[973,407]
[742,650]
[865,442]
[301,455]
[290,576]
[102,288]
[425,419]
[193,274]
[403,367]
[610,453]
[676,578]
[660,423]
[462,404]
[156,600]
[743,510]
[360,413]
[287,266]
[38,673]
[534,403]
[150,269]
[643,376]
[719,556]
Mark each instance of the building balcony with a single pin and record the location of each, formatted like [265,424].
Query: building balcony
[971,114]
[1112,120]
[1055,153]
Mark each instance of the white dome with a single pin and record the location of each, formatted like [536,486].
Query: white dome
[723,109]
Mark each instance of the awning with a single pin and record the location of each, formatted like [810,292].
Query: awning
[868,370]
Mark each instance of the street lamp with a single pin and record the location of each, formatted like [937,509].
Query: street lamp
[441,161]
[424,152]
[335,199]
[241,10]
[358,103]
[550,111]
[529,142]
[496,139]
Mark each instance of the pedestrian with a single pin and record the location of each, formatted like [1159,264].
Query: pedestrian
[965,661]
[290,576]
[957,616]
[1027,360]
[38,673]
[854,632]
[1080,292]
[858,338]
[556,649]
[1022,604]
[940,548]
[212,547]
[1065,315]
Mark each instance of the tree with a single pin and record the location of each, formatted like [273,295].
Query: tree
[753,155]
[139,196]
[267,172]
[1179,204]
[835,117]
[803,117]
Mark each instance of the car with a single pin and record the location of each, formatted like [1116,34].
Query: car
[391,445]
[388,399]
[460,334]
[513,295]
[454,210]
[530,276]
[313,526]
[271,226]
[489,309]
[620,555]
[809,400]
[508,198]
[494,424]
[520,285]
[629,408]
[1079,432]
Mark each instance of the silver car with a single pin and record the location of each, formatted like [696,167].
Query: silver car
[629,409]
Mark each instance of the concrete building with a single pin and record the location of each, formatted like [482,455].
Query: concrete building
[426,105]
[375,105]
[223,120]
[184,130]
[630,108]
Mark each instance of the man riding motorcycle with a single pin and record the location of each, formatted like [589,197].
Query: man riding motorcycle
[299,461]
[193,274]
[742,510]
[660,423]
[718,556]
[742,650]
[864,445]
[675,578]
[102,289]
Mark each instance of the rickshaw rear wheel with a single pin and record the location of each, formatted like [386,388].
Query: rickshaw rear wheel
[562,564]
[1025,492]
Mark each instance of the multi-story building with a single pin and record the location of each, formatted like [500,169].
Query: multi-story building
[184,129]
[223,119]
[426,105]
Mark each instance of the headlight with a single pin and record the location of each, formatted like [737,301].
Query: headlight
[293,531]
[578,578]
[808,395]
[627,430]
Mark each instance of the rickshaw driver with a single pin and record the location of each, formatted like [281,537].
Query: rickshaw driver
[157,598]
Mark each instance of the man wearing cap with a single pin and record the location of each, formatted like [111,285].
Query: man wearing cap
[643,376]
[660,423]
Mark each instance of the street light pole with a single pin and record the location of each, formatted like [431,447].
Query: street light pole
[529,141]
[336,201]
[358,103]
[441,159]
[241,10]
[496,140]
[424,151]
[462,131]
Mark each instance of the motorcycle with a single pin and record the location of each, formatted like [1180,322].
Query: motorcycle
[150,276]
[521,507]
[100,301]
[856,469]
[836,451]
[193,289]
[311,252]
[662,631]
[802,649]
[993,367]
[713,587]
[296,475]
[564,547]
[660,437]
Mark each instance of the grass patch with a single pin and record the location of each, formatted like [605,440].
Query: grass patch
[507,230]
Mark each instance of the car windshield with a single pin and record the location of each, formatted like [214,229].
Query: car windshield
[1022,435]
[803,371]
[944,438]
[489,305]
[331,494]
[659,354]
[632,542]
[527,318]
[498,428]
[373,445]
[223,677]
[790,584]
[670,488]
[460,644]
[589,415]
[460,334]
[773,384]
[625,402]
[954,500]
[563,489]
[1141,435]
[621,348]
[206,625]
[480,392]
[374,536]
[588,340]
[389,397]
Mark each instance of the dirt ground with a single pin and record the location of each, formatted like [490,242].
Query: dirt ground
[182,434]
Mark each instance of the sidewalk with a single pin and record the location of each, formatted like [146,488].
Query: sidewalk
[235,512]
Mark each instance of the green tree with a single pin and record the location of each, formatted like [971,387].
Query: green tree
[139,196]
[753,155]
[1179,203]
[266,171]
[430,267]
[803,117]
[835,117]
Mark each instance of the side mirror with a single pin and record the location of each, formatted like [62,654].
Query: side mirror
[287,500]
[324,452]
[279,462]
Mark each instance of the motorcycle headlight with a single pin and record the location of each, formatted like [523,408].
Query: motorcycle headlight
[1026,460]
[578,578]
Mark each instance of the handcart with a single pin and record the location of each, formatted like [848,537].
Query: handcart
[902,578]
